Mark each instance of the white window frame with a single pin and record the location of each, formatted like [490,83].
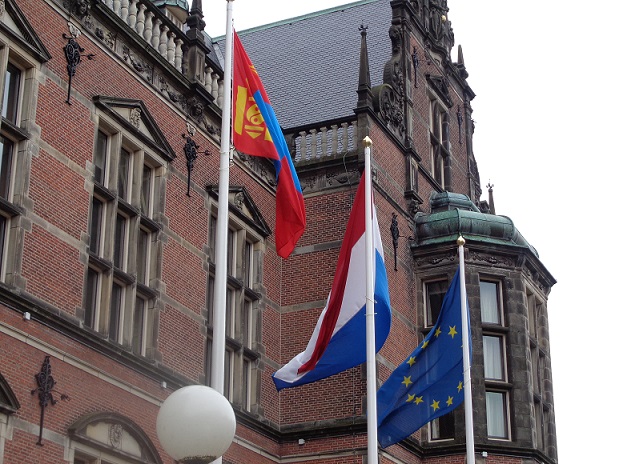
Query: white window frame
[506,415]
[496,330]
[499,296]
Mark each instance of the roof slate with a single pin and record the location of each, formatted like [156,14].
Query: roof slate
[309,65]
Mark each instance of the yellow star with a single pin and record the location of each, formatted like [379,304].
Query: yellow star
[407,381]
[438,332]
[411,361]
[460,386]
[452,331]
[419,399]
[425,344]
[435,405]
[450,400]
[410,398]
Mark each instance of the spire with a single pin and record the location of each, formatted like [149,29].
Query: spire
[460,56]
[460,65]
[197,49]
[490,197]
[364,90]
[194,22]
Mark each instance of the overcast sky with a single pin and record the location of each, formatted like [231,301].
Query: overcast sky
[545,114]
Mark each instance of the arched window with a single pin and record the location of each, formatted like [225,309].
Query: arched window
[108,438]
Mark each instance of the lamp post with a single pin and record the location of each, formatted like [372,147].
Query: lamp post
[196,425]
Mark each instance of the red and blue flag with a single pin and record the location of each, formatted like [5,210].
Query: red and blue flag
[256,132]
[339,338]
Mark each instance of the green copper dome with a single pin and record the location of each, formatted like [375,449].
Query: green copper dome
[455,214]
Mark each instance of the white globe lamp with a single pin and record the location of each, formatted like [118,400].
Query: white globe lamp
[196,425]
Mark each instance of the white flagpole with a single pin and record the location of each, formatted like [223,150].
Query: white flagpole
[468,396]
[369,311]
[221,239]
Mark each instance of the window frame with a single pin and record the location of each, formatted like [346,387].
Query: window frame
[15,118]
[501,356]
[92,443]
[119,265]
[505,414]
[438,130]
[500,313]
[25,53]
[495,330]
[428,311]
[540,360]
[435,428]
[446,421]
[241,301]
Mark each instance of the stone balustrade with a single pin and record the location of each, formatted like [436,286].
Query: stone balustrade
[140,17]
[323,142]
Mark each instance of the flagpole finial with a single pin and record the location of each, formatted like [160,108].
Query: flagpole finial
[367,142]
[460,241]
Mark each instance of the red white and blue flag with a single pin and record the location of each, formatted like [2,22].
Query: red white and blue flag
[338,341]
[256,132]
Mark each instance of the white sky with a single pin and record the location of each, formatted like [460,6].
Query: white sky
[545,112]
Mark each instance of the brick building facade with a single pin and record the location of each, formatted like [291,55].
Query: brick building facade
[107,232]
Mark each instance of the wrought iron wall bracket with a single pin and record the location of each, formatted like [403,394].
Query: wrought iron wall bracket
[45,389]
[415,64]
[191,154]
[73,54]
[395,237]
[460,119]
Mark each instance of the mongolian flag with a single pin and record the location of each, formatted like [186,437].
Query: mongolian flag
[256,132]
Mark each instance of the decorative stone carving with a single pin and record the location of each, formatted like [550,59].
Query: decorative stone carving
[116,435]
[439,27]
[79,8]
[257,165]
[440,85]
[491,259]
[413,207]
[139,66]
[196,109]
[435,260]
[175,97]
[339,178]
[107,37]
[135,116]
[390,107]
[239,200]
[389,97]
[415,5]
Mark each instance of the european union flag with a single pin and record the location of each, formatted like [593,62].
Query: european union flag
[430,382]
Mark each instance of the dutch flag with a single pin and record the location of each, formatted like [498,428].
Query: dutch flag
[338,341]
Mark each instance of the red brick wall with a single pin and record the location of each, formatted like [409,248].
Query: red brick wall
[294,290]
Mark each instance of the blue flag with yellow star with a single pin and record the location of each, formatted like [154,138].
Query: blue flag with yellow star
[430,382]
